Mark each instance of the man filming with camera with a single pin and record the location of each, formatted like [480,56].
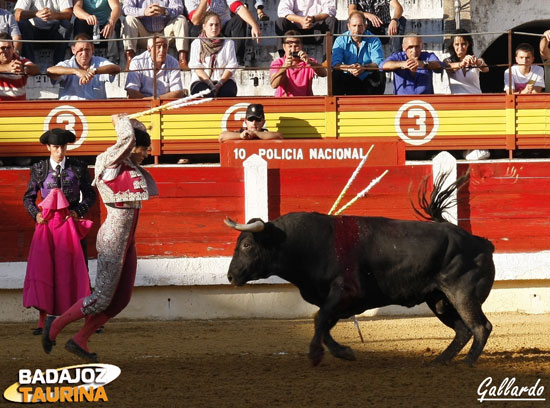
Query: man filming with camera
[292,75]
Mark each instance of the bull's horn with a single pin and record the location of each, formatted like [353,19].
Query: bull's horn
[256,226]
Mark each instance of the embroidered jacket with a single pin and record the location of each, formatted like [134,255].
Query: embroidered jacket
[75,179]
[118,180]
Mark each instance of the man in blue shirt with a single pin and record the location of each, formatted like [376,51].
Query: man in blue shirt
[355,61]
[412,68]
[84,75]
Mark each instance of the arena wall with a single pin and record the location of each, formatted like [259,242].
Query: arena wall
[169,289]
[505,201]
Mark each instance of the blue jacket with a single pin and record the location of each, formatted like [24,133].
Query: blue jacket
[344,51]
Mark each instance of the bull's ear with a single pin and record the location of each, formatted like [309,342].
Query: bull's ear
[271,235]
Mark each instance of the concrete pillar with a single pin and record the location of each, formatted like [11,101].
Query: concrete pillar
[255,188]
[444,162]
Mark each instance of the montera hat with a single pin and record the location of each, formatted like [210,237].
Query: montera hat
[58,137]
[255,110]
[140,132]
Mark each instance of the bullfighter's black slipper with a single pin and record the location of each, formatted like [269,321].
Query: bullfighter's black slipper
[47,344]
[80,352]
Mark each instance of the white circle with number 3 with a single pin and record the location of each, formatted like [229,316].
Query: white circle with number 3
[67,116]
[418,111]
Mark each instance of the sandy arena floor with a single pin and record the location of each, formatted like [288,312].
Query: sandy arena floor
[263,363]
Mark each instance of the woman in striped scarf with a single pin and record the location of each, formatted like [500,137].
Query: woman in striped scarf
[213,60]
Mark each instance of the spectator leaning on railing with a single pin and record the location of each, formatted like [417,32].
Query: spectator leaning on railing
[14,71]
[147,17]
[352,55]
[45,20]
[292,75]
[155,63]
[463,69]
[412,68]
[84,75]
[544,48]
[9,26]
[103,15]
[526,77]
[253,126]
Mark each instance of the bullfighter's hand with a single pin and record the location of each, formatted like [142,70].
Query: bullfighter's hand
[40,219]
[116,117]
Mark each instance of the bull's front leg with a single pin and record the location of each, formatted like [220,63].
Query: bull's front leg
[316,350]
[325,319]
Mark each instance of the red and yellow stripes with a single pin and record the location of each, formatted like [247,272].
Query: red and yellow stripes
[422,121]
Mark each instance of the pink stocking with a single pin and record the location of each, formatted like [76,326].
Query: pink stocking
[72,314]
[92,324]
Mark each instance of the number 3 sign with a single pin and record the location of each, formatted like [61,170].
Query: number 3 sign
[416,122]
[69,118]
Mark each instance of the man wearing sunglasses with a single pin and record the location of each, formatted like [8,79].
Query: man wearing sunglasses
[14,71]
[253,126]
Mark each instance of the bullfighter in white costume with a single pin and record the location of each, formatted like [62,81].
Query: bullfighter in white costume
[123,185]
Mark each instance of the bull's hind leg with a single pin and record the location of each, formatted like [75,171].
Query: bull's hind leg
[445,312]
[468,307]
[338,350]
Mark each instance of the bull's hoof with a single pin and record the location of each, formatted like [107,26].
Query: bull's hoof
[470,361]
[316,356]
[345,353]
[440,360]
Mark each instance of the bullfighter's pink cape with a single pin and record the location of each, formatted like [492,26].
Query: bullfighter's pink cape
[56,270]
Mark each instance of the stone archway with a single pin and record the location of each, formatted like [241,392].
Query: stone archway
[500,16]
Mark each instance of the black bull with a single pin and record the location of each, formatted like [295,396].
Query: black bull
[348,264]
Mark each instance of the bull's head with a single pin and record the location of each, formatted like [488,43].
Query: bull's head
[255,255]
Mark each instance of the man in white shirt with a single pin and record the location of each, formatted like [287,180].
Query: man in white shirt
[544,48]
[526,78]
[84,75]
[306,17]
[44,20]
[140,83]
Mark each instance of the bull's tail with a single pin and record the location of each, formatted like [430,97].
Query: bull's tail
[432,208]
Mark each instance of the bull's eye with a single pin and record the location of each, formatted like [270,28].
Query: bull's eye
[246,245]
